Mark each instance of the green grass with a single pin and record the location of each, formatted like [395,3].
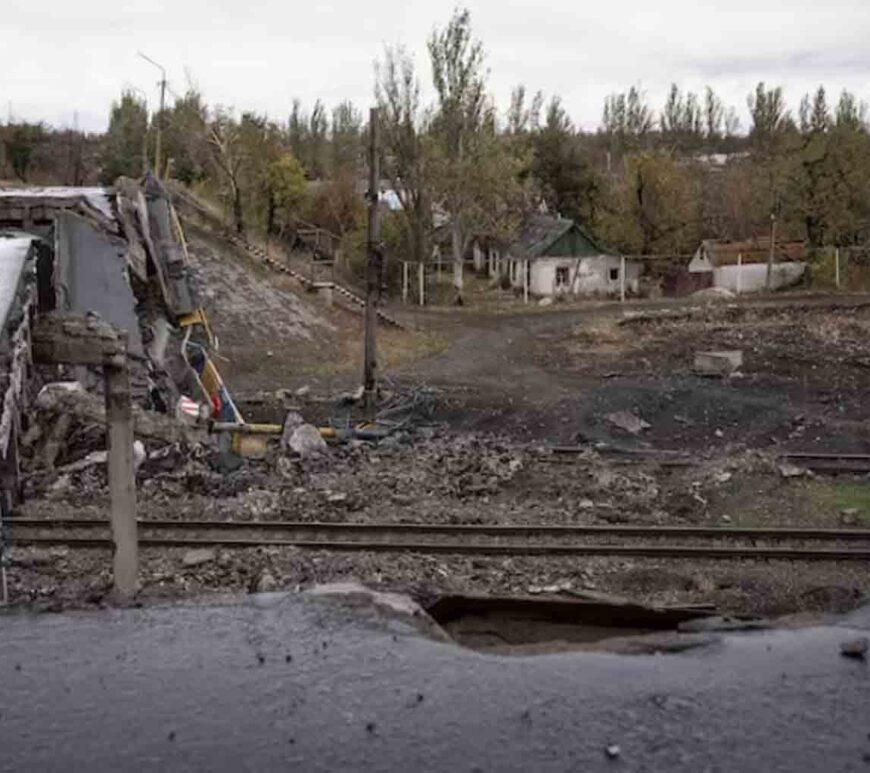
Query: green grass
[832,498]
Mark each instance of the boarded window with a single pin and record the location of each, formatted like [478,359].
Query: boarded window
[563,276]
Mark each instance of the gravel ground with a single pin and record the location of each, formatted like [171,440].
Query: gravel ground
[447,479]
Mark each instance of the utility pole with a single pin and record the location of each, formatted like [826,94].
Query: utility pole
[159,121]
[769,280]
[373,270]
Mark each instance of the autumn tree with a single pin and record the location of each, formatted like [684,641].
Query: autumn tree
[270,177]
[569,184]
[655,207]
[346,144]
[523,117]
[124,147]
[22,142]
[473,178]
[403,127]
[184,138]
[227,158]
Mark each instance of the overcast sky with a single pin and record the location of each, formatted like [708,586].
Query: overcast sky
[62,57]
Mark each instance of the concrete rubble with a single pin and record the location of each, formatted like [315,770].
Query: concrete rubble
[724,363]
[628,422]
[117,258]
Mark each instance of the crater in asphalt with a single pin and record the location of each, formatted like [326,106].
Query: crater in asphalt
[529,625]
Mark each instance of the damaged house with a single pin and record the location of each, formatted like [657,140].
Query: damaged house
[554,256]
[741,267]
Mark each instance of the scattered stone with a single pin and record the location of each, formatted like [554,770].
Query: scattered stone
[719,433]
[339,497]
[721,363]
[585,504]
[267,583]
[546,301]
[303,391]
[292,421]
[856,648]
[198,556]
[139,454]
[789,470]
[306,441]
[849,516]
[613,751]
[628,422]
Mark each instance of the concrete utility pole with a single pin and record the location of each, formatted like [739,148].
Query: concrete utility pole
[373,273]
[122,475]
[75,340]
[159,123]
[769,280]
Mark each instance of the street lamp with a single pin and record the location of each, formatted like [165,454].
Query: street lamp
[159,121]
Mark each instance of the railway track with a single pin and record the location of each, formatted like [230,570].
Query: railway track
[474,539]
[817,462]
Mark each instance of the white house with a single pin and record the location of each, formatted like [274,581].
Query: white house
[556,256]
[741,267]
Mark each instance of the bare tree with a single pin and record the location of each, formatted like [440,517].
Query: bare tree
[402,123]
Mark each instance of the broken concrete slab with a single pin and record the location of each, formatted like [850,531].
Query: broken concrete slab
[292,421]
[198,556]
[628,422]
[306,441]
[720,363]
[789,470]
[61,398]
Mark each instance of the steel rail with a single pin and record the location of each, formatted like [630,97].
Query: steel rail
[710,532]
[470,548]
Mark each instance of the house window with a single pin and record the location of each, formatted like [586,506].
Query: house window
[563,276]
[614,275]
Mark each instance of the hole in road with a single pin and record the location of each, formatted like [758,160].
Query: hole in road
[526,625]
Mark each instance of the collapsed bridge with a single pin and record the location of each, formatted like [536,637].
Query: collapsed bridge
[113,256]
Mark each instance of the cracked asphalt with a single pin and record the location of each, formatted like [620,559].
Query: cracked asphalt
[289,681]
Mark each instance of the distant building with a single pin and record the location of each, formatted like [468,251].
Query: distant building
[559,257]
[741,267]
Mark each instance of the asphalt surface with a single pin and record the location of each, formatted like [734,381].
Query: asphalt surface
[293,682]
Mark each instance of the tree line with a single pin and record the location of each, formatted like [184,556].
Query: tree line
[648,181]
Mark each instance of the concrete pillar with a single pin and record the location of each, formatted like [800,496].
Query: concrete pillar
[122,480]
[325,292]
[404,281]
